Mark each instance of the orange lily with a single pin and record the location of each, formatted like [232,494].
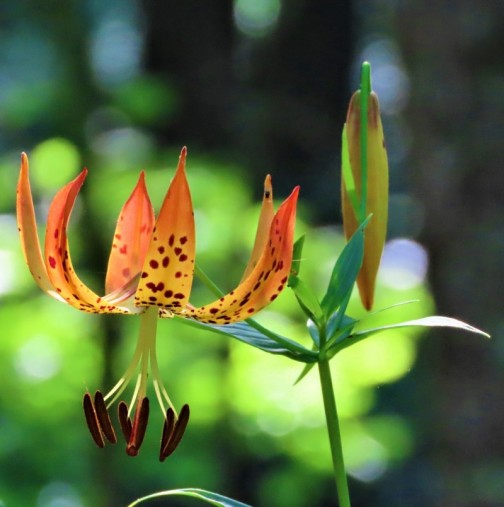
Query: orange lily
[150,272]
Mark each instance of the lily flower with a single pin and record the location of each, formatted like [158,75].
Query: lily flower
[377,191]
[150,273]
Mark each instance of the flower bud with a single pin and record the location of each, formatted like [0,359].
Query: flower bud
[377,191]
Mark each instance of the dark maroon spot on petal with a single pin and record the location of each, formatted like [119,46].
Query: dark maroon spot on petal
[152,298]
[283,280]
[182,258]
[280,288]
[165,262]
[161,249]
[171,240]
[179,295]
[251,310]
[177,250]
[153,264]
[213,310]
[52,262]
[56,232]
[123,249]
[168,294]
[272,298]
[256,286]
[178,274]
[183,240]
[145,274]
[155,288]
[266,275]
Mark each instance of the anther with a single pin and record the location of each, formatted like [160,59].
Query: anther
[124,420]
[168,426]
[104,418]
[139,427]
[178,433]
[92,420]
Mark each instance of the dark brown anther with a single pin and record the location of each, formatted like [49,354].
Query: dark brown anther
[104,418]
[92,420]
[124,420]
[168,426]
[139,427]
[178,433]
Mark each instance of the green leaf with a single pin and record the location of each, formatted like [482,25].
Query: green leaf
[306,299]
[297,252]
[345,271]
[347,174]
[201,494]
[304,372]
[432,321]
[251,332]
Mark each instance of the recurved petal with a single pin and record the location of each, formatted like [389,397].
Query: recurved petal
[131,238]
[27,225]
[267,279]
[263,227]
[168,268]
[57,254]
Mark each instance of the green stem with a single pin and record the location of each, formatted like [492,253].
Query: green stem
[333,430]
[365,88]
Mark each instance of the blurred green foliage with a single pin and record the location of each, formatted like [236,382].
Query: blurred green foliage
[245,407]
[120,86]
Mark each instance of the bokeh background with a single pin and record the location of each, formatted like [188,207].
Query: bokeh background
[251,87]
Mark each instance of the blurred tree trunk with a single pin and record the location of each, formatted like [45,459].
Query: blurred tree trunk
[453,52]
[276,103]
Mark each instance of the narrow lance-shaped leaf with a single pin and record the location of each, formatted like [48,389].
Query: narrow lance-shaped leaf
[345,272]
[201,494]
[432,321]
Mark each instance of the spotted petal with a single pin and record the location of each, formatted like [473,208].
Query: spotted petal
[131,239]
[167,273]
[57,254]
[267,279]
[27,225]
[263,227]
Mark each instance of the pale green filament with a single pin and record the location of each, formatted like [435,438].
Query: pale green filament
[145,351]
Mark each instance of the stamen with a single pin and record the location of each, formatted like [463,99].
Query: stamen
[177,434]
[104,418]
[124,420]
[139,427]
[168,426]
[92,420]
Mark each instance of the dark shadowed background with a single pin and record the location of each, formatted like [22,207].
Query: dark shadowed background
[254,87]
